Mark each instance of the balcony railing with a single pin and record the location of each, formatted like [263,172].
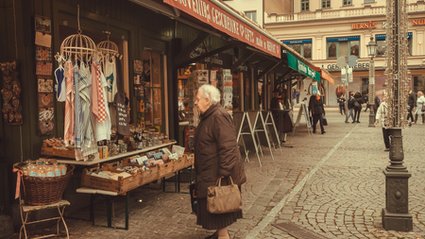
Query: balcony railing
[340,13]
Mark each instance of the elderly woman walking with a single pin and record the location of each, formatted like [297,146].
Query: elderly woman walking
[216,155]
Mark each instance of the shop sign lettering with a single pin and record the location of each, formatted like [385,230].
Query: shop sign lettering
[208,12]
[358,67]
[418,22]
[363,25]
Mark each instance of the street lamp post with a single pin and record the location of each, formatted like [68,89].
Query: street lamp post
[371,50]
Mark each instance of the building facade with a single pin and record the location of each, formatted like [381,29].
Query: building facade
[330,30]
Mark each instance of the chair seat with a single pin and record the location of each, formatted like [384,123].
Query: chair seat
[29,208]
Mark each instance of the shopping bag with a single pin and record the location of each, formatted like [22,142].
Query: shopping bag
[324,120]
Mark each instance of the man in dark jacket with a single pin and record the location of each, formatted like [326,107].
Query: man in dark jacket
[315,106]
[216,155]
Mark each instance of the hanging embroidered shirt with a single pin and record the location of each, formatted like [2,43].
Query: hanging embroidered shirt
[60,86]
[69,105]
[111,78]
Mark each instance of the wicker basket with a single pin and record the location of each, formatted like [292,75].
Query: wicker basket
[45,190]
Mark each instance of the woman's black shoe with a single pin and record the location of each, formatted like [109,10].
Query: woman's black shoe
[213,236]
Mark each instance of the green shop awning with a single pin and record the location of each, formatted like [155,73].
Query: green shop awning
[295,64]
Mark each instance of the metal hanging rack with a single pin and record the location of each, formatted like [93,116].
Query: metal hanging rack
[78,46]
[108,48]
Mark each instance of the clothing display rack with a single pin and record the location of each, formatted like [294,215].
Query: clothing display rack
[78,46]
[108,48]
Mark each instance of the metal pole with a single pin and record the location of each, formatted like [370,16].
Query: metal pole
[395,215]
[371,92]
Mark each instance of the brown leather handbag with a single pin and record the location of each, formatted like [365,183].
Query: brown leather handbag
[224,199]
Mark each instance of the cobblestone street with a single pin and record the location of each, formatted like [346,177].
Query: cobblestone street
[331,184]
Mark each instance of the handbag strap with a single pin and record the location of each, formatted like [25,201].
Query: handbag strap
[219,181]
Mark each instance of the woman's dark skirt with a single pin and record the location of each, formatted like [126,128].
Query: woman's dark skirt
[214,221]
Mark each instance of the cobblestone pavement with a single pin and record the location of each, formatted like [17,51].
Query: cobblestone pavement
[332,184]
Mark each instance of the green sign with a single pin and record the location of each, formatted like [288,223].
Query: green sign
[301,67]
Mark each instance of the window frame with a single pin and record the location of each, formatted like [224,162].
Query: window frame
[248,14]
[326,4]
[347,3]
[305,5]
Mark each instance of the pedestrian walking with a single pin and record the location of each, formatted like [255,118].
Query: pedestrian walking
[411,101]
[315,106]
[357,106]
[420,102]
[380,118]
[377,103]
[350,106]
[216,155]
[341,104]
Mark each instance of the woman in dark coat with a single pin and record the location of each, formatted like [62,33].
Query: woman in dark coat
[216,155]
[357,106]
[315,106]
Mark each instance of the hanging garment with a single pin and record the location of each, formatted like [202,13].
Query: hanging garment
[88,142]
[69,105]
[110,71]
[77,107]
[102,122]
[60,84]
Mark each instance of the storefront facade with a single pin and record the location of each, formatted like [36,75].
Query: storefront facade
[323,34]
[149,62]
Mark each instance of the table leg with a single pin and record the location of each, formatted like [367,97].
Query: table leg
[92,199]
[127,196]
[109,211]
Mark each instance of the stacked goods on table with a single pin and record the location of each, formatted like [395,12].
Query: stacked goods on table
[139,139]
[132,172]
[43,180]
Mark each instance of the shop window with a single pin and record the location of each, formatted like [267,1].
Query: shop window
[251,15]
[305,5]
[343,46]
[326,3]
[347,2]
[382,44]
[365,86]
[150,105]
[303,47]
[418,83]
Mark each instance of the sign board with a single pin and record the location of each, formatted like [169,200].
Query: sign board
[219,18]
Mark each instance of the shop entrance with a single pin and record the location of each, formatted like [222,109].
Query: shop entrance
[418,83]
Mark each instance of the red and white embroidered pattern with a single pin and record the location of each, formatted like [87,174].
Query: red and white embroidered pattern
[101,101]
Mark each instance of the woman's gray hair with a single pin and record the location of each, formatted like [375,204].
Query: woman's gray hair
[211,93]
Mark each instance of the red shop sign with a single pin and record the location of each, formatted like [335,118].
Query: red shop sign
[209,13]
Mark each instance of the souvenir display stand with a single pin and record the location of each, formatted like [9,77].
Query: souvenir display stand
[244,126]
[303,111]
[271,128]
[259,126]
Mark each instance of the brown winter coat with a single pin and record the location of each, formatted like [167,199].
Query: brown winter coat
[216,150]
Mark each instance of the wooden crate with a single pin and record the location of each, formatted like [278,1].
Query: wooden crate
[149,176]
[120,186]
[165,169]
[55,152]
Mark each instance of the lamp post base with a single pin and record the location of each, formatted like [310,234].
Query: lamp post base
[371,116]
[396,221]
[395,215]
